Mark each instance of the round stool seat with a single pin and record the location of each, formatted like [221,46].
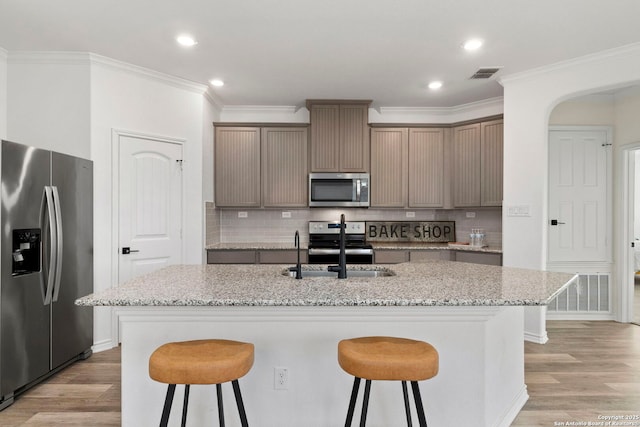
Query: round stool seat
[388,358]
[201,362]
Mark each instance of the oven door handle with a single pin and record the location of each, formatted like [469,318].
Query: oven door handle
[350,251]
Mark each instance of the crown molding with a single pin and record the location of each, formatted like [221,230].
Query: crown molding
[264,113]
[630,49]
[213,99]
[88,58]
[443,115]
[53,58]
[177,82]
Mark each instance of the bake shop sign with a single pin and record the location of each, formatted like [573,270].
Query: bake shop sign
[429,231]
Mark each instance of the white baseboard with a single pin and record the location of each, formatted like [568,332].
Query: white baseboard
[536,338]
[517,405]
[103,345]
[564,315]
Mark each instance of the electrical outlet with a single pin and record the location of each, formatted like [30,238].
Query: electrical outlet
[280,378]
[286,214]
[471,214]
[243,214]
[411,214]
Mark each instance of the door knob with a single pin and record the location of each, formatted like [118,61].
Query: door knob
[128,250]
[556,222]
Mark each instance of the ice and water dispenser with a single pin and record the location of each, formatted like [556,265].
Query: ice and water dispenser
[26,251]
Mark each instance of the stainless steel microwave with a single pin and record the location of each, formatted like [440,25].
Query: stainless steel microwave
[339,190]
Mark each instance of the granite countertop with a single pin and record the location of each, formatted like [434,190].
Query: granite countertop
[429,283]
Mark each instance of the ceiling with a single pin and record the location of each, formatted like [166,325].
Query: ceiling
[281,52]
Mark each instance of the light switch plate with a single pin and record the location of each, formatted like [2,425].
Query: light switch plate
[286,214]
[411,214]
[243,214]
[471,214]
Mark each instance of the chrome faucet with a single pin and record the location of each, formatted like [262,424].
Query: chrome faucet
[298,267]
[341,268]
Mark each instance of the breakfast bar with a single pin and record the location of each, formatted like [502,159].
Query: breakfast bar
[472,314]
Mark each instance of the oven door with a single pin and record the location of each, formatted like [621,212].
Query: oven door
[331,255]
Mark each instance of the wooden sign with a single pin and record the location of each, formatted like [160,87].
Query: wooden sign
[425,231]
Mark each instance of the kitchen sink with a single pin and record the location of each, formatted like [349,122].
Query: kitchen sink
[350,273]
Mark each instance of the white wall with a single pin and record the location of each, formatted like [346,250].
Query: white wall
[590,110]
[141,101]
[3,93]
[48,101]
[529,99]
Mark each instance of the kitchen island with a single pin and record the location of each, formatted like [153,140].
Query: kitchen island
[473,315]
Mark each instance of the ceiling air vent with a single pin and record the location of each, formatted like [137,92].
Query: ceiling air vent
[485,73]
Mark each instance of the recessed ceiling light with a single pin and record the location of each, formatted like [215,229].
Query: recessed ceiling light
[217,82]
[472,44]
[435,85]
[185,40]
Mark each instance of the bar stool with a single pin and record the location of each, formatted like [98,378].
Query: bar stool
[390,359]
[201,362]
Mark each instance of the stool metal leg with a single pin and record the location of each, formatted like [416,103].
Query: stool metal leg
[220,408]
[185,404]
[365,403]
[419,408]
[407,408]
[352,402]
[164,421]
[239,403]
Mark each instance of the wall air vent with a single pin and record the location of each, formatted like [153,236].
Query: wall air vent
[485,73]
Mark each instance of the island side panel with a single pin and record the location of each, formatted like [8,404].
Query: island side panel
[304,339]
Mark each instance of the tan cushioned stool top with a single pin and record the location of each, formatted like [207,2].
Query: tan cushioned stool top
[388,358]
[201,362]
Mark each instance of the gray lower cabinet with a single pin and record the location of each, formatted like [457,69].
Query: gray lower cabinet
[231,257]
[281,257]
[390,256]
[253,256]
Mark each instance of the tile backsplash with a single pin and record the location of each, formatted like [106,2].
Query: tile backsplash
[269,226]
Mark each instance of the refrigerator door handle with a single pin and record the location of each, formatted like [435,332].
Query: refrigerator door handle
[58,275]
[48,205]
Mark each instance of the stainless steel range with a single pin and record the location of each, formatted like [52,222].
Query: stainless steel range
[324,243]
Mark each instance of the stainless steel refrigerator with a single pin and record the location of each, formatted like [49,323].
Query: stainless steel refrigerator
[46,263]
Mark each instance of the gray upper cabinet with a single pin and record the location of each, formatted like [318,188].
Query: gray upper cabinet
[407,167]
[477,164]
[339,136]
[237,166]
[284,171]
[426,168]
[491,163]
[257,166]
[389,171]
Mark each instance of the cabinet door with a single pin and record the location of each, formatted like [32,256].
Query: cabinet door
[354,138]
[388,167]
[237,166]
[466,165]
[325,138]
[426,168]
[491,165]
[284,167]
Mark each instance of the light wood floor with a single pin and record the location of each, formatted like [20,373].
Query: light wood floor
[585,370]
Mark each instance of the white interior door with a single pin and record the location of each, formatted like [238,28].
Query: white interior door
[150,205]
[578,185]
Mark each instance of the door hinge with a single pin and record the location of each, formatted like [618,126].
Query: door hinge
[633,244]
[606,144]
